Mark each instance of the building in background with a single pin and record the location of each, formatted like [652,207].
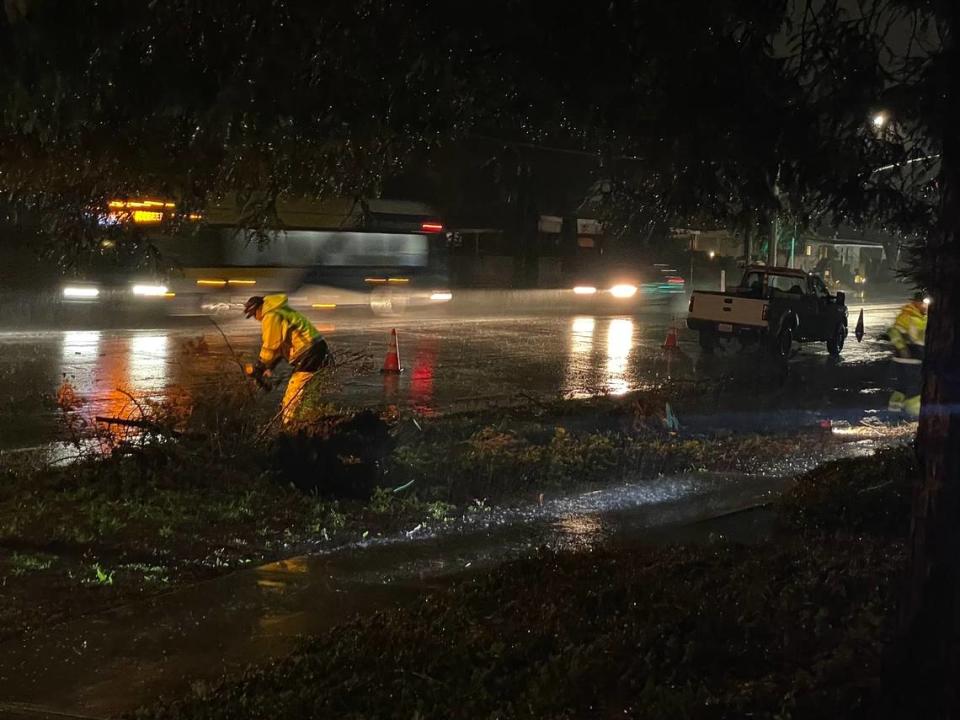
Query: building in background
[846,260]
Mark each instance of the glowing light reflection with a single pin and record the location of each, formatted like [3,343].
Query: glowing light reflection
[148,361]
[422,380]
[619,346]
[81,348]
[579,531]
[582,333]
[80,345]
[579,357]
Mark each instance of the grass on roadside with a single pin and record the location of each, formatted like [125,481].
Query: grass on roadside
[860,494]
[794,627]
[202,490]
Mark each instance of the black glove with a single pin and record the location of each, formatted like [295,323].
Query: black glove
[258,372]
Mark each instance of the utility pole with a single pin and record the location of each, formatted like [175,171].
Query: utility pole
[693,245]
[775,223]
[793,247]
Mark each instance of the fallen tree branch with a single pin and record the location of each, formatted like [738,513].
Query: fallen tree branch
[141,424]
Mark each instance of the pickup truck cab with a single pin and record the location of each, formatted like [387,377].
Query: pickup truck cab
[773,304]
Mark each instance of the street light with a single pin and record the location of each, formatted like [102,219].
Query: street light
[713,254]
[879,120]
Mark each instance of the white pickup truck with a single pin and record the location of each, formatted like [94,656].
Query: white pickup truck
[773,304]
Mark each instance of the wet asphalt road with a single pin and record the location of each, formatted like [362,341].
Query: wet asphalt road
[113,661]
[450,363]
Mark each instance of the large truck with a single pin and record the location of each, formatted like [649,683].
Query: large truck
[381,254]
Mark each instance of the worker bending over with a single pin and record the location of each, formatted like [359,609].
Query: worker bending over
[287,335]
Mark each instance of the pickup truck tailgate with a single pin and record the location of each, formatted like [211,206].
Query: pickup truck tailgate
[726,308]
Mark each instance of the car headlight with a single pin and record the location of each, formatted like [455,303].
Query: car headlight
[623,291]
[149,290]
[585,290]
[79,291]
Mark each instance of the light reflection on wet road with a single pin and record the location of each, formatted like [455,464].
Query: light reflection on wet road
[450,363]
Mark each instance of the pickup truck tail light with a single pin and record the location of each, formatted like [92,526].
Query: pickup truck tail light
[690,307]
[763,315]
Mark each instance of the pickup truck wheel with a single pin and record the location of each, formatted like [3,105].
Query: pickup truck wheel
[835,344]
[783,343]
[708,341]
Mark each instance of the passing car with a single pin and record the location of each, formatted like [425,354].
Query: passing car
[606,283]
[774,305]
[619,282]
[663,283]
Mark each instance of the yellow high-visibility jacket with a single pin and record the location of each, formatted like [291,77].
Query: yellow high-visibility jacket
[286,333]
[909,328]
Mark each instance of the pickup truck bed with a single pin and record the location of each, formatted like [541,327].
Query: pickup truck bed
[731,308]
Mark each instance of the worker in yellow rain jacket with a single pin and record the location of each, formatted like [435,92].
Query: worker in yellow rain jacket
[287,335]
[907,336]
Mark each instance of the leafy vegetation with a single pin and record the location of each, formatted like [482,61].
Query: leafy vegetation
[871,495]
[198,488]
[792,627]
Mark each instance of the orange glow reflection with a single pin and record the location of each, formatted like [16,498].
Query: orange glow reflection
[421,380]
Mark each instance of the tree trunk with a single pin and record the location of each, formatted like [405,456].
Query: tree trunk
[930,611]
[524,229]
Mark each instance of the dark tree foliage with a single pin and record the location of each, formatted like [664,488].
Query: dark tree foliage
[198,101]
[689,107]
[729,112]
[685,106]
[194,98]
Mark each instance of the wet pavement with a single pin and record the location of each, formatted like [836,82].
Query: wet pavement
[111,662]
[450,363]
[115,661]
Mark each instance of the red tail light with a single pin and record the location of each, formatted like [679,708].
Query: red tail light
[431,227]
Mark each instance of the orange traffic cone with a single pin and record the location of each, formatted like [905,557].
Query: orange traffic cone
[391,363]
[671,342]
